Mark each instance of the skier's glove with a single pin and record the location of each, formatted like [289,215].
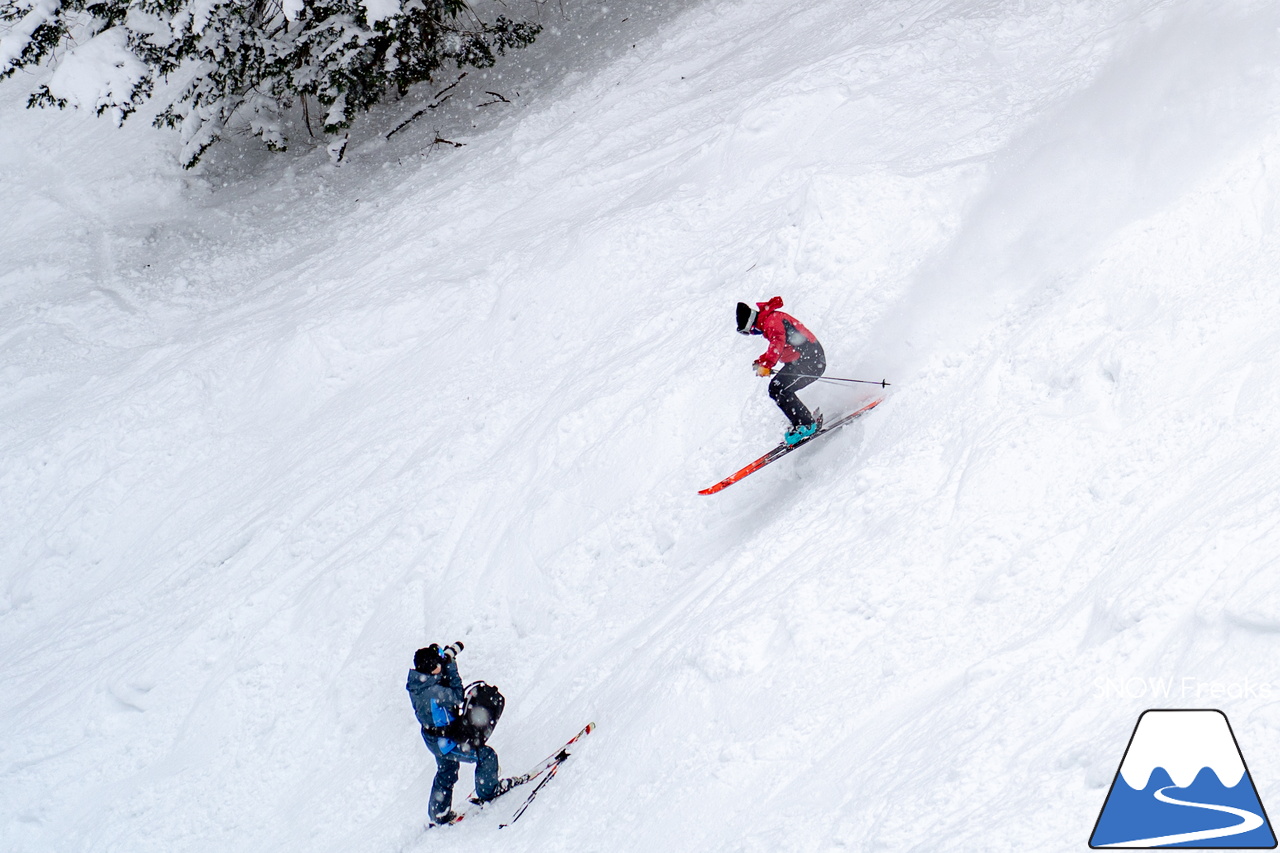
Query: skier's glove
[451,651]
[457,730]
[763,369]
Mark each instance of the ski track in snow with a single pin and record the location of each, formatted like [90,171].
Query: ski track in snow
[268,427]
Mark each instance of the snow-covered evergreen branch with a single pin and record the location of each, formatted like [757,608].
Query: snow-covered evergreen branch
[243,60]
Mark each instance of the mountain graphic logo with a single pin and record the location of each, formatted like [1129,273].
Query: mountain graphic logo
[1183,783]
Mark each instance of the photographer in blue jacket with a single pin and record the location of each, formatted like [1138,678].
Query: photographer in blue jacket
[438,696]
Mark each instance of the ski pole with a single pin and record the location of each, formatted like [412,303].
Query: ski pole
[560,759]
[882,383]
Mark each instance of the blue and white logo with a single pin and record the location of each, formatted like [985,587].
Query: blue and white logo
[1183,783]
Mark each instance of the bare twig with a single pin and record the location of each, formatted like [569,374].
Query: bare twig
[497,98]
[451,85]
[420,113]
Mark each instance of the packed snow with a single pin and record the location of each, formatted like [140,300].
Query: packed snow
[269,426]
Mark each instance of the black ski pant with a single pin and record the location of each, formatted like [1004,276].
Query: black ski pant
[486,761]
[795,375]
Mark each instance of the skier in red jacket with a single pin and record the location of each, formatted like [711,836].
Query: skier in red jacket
[802,358]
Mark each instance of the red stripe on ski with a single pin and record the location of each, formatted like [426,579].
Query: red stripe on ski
[555,756]
[783,449]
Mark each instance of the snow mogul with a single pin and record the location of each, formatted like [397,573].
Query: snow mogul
[455,722]
[803,362]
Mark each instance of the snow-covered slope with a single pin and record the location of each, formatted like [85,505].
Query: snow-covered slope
[268,428]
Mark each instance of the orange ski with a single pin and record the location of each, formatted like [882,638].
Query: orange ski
[784,448]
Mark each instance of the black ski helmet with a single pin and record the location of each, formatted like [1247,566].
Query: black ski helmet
[426,660]
[746,318]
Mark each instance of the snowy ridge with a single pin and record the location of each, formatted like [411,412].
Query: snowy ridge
[267,428]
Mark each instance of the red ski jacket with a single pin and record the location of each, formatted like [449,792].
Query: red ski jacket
[784,333]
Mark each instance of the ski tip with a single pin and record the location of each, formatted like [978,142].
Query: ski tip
[591,727]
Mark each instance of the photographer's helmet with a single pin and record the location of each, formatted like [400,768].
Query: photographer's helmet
[747,319]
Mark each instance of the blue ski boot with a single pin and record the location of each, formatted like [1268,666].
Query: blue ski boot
[797,434]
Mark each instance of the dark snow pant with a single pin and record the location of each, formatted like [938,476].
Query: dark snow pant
[795,375]
[486,762]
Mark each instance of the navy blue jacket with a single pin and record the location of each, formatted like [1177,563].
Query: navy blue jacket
[436,699]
